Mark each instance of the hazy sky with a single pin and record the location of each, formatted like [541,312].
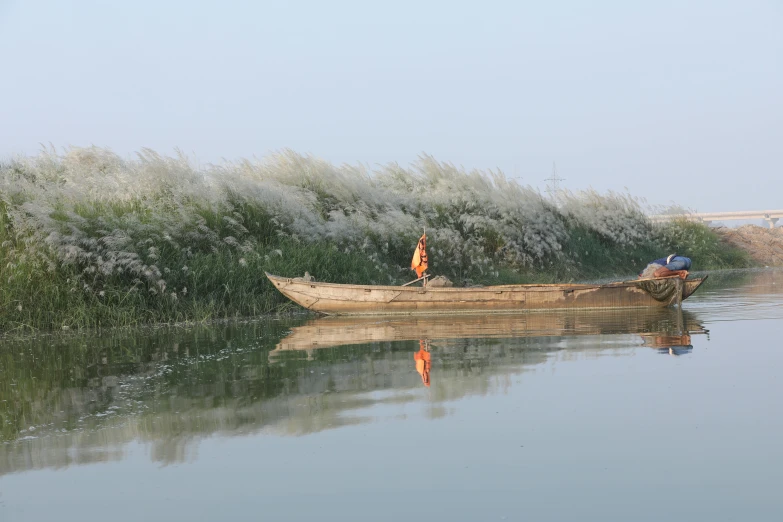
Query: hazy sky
[677,101]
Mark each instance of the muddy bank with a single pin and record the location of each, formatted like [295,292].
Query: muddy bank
[765,245]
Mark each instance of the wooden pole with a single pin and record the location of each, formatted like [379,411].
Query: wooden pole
[680,322]
[425,273]
[411,282]
[679,293]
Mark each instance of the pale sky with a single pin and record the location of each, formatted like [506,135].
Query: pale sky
[679,101]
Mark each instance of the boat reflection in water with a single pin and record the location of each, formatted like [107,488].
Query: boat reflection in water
[668,331]
[337,331]
[80,400]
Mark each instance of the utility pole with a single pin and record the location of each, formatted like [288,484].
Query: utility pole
[553,187]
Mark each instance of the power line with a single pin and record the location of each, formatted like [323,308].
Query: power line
[553,188]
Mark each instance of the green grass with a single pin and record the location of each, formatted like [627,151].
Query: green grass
[701,244]
[224,284]
[214,285]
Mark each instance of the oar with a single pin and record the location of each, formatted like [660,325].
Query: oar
[419,279]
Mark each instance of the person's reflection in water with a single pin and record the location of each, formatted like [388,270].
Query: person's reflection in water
[423,361]
[667,343]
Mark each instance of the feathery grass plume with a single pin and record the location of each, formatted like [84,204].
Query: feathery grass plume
[618,218]
[99,239]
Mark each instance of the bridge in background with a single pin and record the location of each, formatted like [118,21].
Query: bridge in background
[770,216]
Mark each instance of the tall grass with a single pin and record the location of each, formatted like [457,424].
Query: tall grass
[88,238]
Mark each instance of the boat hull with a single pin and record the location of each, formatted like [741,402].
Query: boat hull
[339,299]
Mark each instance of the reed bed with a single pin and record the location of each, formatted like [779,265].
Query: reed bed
[88,238]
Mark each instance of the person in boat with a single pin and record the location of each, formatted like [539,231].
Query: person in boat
[423,362]
[671,266]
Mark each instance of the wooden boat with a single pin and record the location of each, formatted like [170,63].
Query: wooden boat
[655,326]
[346,299]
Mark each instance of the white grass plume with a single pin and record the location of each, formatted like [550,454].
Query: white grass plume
[129,217]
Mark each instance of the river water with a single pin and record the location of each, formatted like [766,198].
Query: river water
[566,416]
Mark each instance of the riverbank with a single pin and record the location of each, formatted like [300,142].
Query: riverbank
[763,245]
[88,239]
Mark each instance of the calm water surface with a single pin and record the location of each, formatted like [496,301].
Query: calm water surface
[568,416]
